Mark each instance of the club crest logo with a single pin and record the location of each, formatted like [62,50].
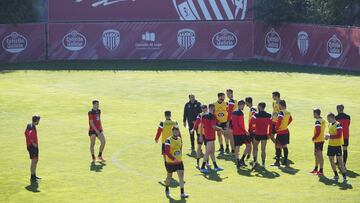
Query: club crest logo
[224,40]
[211,9]
[111,39]
[303,42]
[74,41]
[334,47]
[186,38]
[272,42]
[14,43]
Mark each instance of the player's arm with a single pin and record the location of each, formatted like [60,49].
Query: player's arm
[242,127]
[290,120]
[270,127]
[230,109]
[317,130]
[159,131]
[167,150]
[338,132]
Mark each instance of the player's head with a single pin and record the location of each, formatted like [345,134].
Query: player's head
[261,106]
[95,104]
[249,101]
[317,113]
[331,117]
[241,104]
[35,119]
[211,108]
[221,97]
[191,97]
[176,131]
[282,104]
[276,95]
[230,93]
[204,108]
[340,108]
[167,114]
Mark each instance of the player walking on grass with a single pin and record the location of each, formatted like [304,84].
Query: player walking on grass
[173,161]
[197,128]
[241,136]
[191,111]
[221,118]
[33,146]
[261,125]
[335,138]
[282,133]
[96,130]
[318,140]
[165,130]
[253,110]
[208,123]
[232,105]
[344,120]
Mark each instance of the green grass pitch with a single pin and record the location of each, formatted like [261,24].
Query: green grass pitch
[132,104]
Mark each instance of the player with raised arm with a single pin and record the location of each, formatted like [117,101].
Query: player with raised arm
[96,130]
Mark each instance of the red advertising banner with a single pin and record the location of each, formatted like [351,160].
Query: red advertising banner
[309,45]
[24,42]
[149,10]
[181,40]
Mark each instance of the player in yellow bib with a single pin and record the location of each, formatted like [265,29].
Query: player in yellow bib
[221,116]
[165,130]
[318,140]
[275,114]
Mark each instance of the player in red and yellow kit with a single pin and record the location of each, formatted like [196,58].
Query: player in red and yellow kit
[336,140]
[173,160]
[253,110]
[96,130]
[276,111]
[318,140]
[197,127]
[232,105]
[165,130]
[344,120]
[221,116]
[282,133]
[32,146]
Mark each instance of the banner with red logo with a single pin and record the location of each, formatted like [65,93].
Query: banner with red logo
[24,42]
[178,40]
[149,10]
[309,45]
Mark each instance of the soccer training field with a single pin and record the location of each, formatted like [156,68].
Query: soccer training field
[132,104]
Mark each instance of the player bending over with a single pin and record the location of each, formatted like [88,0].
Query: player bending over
[96,130]
[318,140]
[33,146]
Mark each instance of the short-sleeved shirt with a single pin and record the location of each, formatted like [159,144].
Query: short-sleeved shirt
[94,115]
[208,121]
[31,134]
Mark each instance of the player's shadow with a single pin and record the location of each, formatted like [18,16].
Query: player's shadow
[33,187]
[244,172]
[192,154]
[173,183]
[262,172]
[97,167]
[352,174]
[172,200]
[289,170]
[330,182]
[226,157]
[213,176]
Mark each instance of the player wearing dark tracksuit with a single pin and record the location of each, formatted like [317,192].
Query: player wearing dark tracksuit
[191,111]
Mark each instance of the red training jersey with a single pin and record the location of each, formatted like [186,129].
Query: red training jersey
[238,123]
[262,122]
[208,121]
[31,134]
[94,115]
[344,120]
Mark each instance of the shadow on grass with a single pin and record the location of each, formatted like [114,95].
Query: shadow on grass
[173,183]
[97,167]
[192,154]
[244,172]
[264,173]
[289,170]
[352,174]
[330,182]
[213,176]
[33,187]
[172,200]
[226,157]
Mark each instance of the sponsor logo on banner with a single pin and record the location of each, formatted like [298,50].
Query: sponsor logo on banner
[148,42]
[334,47]
[224,40]
[14,43]
[74,41]
[303,42]
[103,2]
[211,9]
[111,39]
[272,41]
[186,38]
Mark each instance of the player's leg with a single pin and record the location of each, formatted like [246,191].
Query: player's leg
[181,183]
[345,151]
[92,145]
[246,151]
[231,139]
[333,167]
[192,136]
[198,149]
[286,154]
[320,161]
[206,157]
[167,183]
[101,137]
[263,151]
[341,165]
[227,140]
[221,142]
[251,147]
[212,156]
[278,154]
[255,150]
[237,149]
[317,161]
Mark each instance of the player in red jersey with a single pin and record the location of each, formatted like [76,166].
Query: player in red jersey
[231,106]
[33,146]
[96,130]
[241,136]
[253,110]
[197,128]
[344,120]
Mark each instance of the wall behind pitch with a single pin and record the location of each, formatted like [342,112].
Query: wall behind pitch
[23,42]
[309,45]
[151,40]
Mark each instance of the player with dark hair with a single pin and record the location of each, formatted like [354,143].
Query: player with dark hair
[165,130]
[260,124]
[33,146]
[173,161]
[336,140]
[282,133]
[318,140]
[253,110]
[96,130]
[232,105]
[221,118]
[344,120]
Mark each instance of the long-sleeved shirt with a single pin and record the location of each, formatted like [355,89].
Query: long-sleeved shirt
[191,111]
[238,123]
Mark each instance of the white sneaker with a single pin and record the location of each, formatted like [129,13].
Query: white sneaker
[218,169]
[184,195]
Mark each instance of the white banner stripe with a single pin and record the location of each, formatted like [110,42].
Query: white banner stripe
[193,8]
[216,9]
[204,10]
[227,9]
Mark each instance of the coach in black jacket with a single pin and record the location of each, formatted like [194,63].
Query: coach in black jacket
[191,111]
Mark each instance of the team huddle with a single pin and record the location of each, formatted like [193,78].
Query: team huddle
[226,122]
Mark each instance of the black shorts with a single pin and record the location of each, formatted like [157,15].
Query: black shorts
[283,139]
[91,132]
[33,152]
[251,137]
[163,149]
[171,168]
[334,151]
[241,139]
[318,146]
[261,137]
[222,125]
[273,131]
[346,142]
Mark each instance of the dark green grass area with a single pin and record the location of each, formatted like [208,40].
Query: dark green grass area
[163,65]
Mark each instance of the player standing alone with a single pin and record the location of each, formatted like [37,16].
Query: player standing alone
[344,120]
[33,146]
[96,130]
[318,140]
